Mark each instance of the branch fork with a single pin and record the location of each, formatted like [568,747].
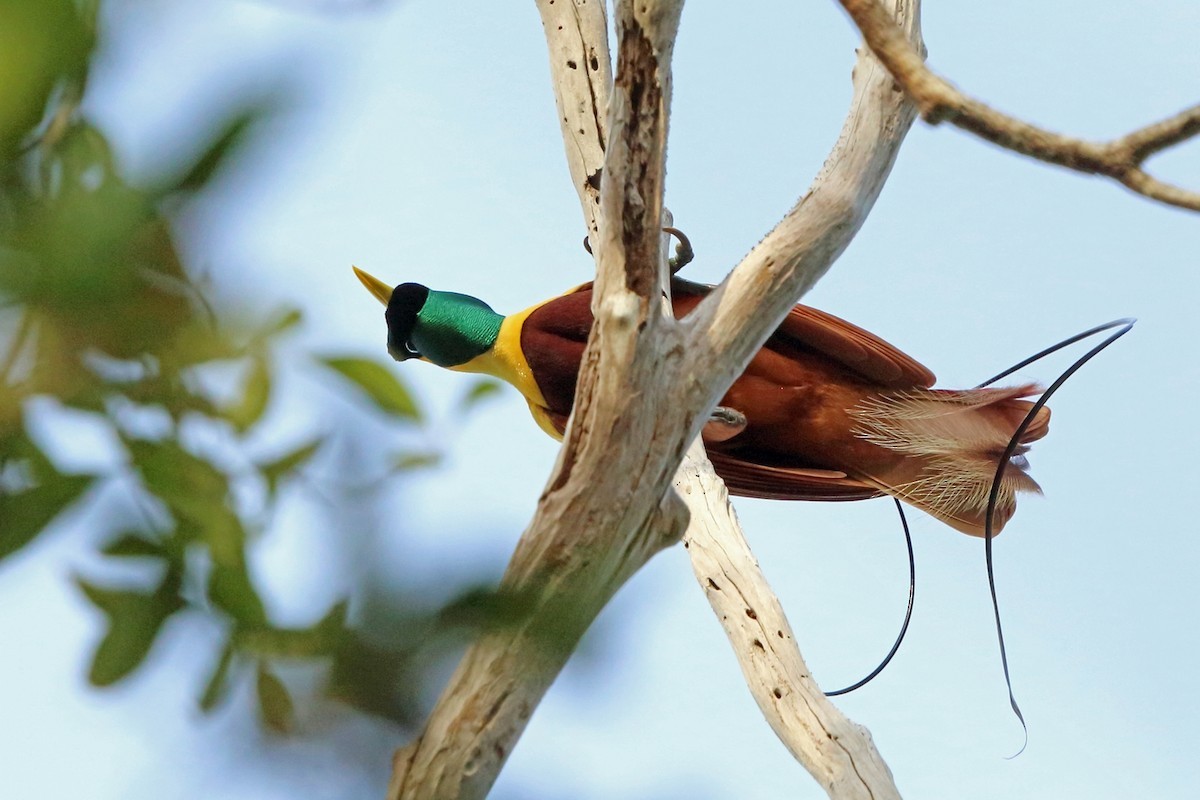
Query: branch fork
[650,380]
[1121,159]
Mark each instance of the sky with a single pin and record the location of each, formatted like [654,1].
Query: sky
[422,145]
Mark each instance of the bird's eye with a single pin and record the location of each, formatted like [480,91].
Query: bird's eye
[404,352]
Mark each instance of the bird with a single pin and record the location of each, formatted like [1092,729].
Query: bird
[825,410]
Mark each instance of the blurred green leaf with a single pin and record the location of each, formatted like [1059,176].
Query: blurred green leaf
[230,589]
[132,544]
[26,513]
[88,397]
[23,515]
[85,158]
[286,321]
[218,683]
[80,241]
[134,621]
[274,702]
[256,392]
[195,492]
[479,391]
[405,462]
[486,608]
[287,464]
[233,134]
[169,470]
[333,624]
[41,43]
[378,680]
[379,383]
[320,639]
[194,344]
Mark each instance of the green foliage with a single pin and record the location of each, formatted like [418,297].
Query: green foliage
[132,544]
[99,311]
[218,683]
[134,620]
[255,394]
[274,702]
[43,44]
[403,462]
[378,382]
[288,464]
[479,392]
[234,132]
[32,491]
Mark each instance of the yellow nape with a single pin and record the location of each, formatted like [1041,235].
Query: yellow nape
[381,291]
[507,361]
[542,417]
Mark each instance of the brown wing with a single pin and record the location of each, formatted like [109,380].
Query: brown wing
[860,350]
[568,318]
[751,479]
[845,342]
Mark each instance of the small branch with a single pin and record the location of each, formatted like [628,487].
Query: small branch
[1120,159]
[839,754]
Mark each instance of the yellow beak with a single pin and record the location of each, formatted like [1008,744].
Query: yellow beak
[382,292]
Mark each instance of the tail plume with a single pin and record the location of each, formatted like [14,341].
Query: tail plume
[953,441]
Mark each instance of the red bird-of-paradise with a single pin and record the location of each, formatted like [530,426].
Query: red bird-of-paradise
[824,411]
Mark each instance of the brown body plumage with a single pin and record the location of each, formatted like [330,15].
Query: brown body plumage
[824,411]
[832,412]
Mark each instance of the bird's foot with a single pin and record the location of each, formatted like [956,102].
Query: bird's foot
[683,251]
[723,424]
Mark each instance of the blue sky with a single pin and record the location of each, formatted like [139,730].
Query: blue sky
[423,146]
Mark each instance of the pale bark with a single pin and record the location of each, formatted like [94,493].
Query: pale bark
[605,510]
[581,73]
[645,389]
[839,754]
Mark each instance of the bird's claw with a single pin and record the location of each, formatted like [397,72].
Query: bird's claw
[683,250]
[723,424]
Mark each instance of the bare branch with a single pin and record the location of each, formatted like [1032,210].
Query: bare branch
[602,514]
[606,509]
[722,334]
[839,754]
[581,73]
[1120,159]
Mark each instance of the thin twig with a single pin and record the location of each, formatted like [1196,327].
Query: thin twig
[1120,159]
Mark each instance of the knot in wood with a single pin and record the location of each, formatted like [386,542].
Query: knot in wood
[622,309]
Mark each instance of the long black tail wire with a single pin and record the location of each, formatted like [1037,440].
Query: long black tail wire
[1122,327]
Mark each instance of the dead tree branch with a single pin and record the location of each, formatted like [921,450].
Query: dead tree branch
[649,380]
[839,754]
[1120,159]
[603,514]
[581,73]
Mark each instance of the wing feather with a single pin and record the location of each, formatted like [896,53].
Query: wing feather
[858,349]
[752,479]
